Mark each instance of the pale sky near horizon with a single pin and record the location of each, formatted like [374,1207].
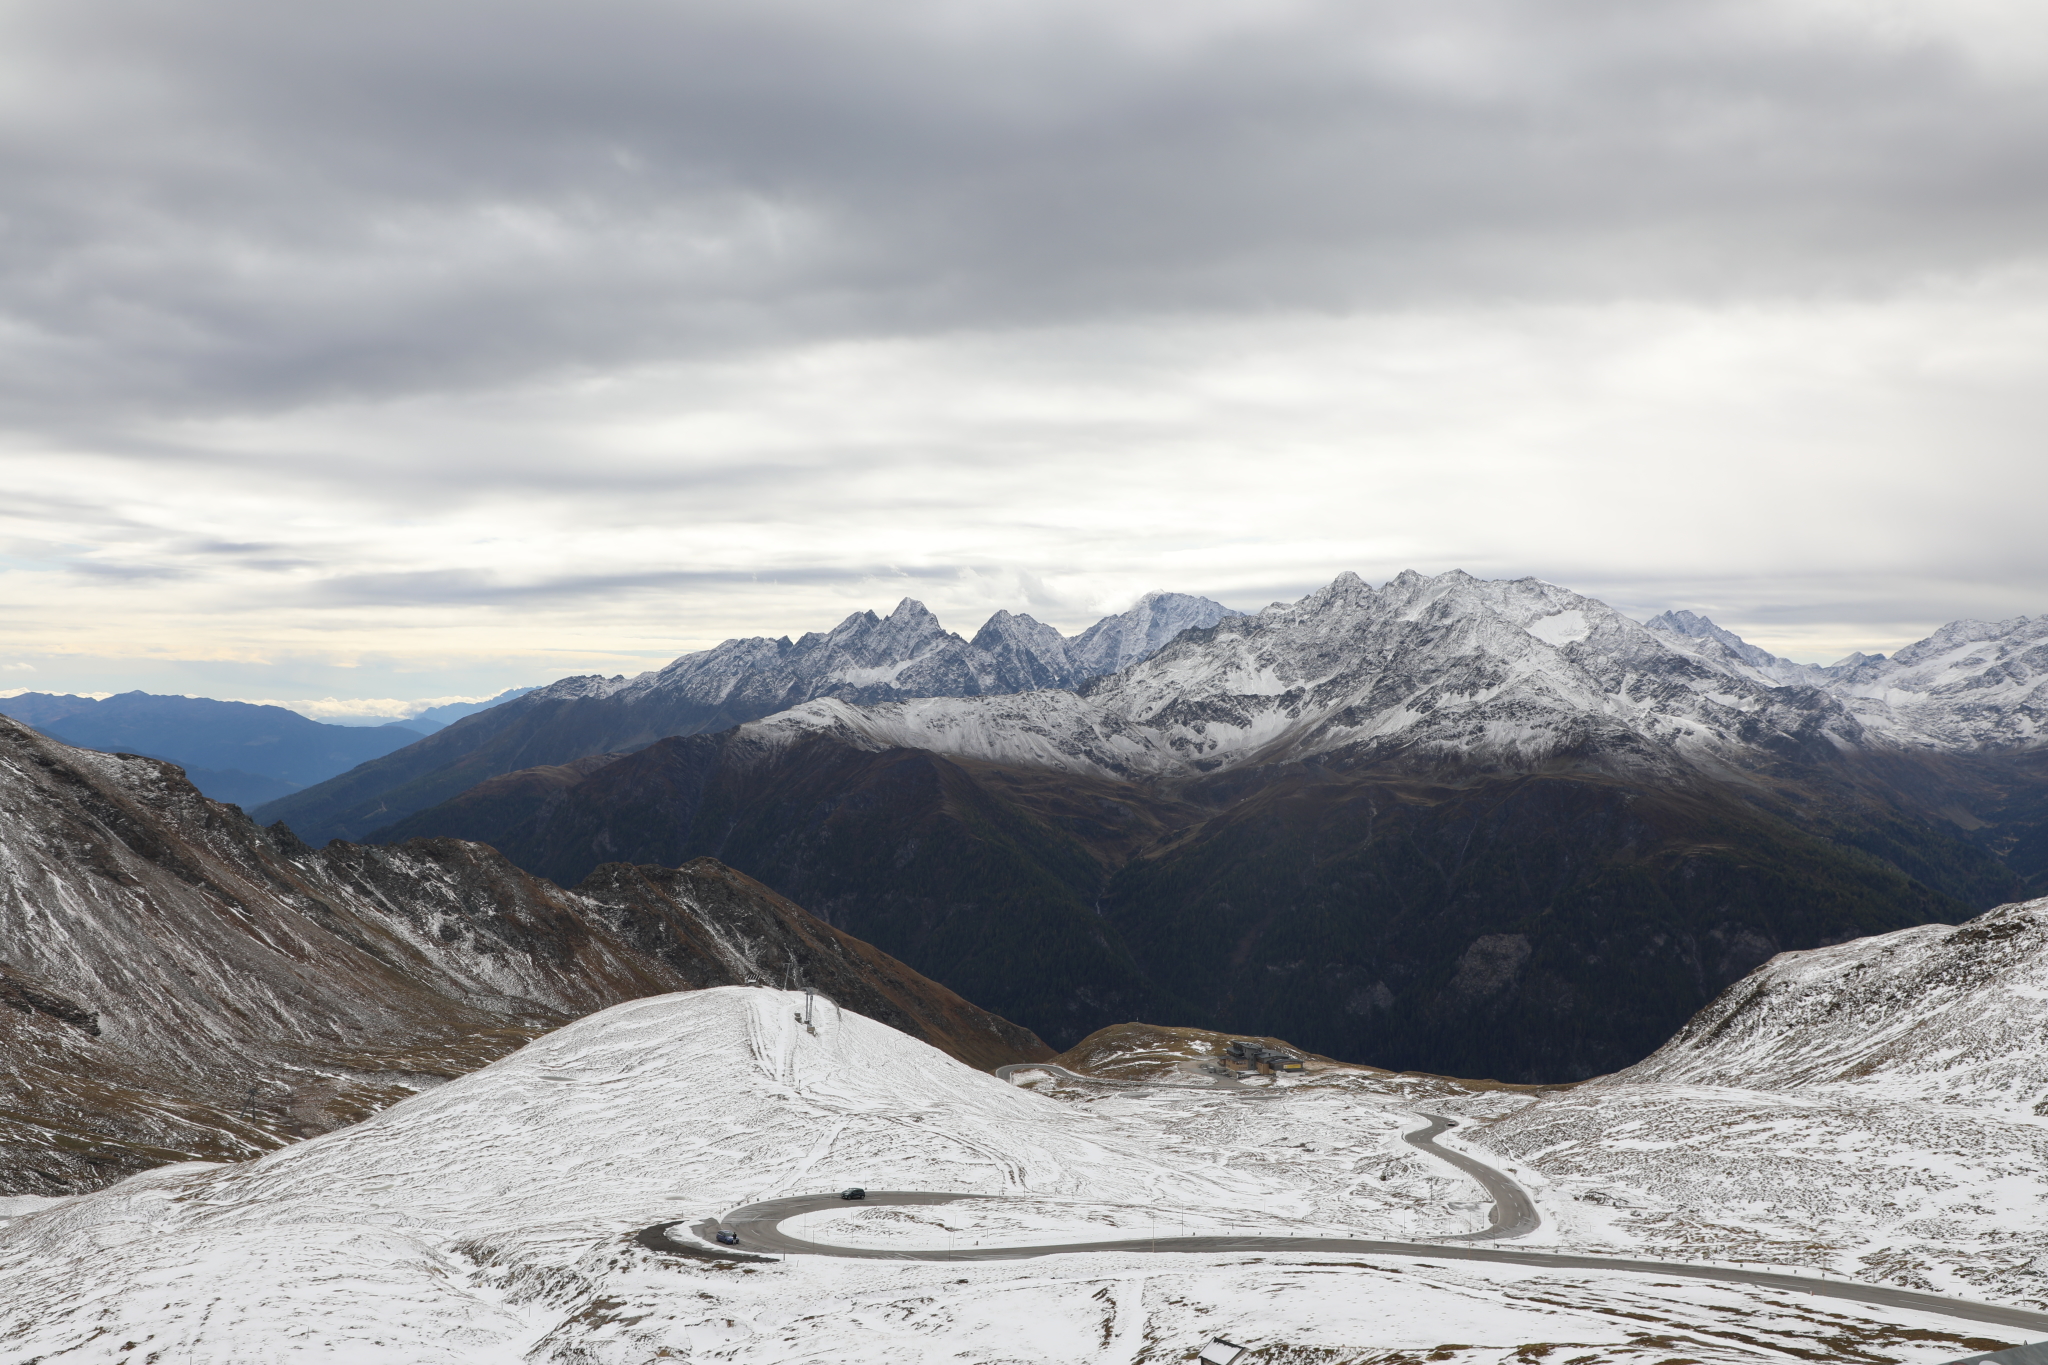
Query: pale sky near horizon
[413,352]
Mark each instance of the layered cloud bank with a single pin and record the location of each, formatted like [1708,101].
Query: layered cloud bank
[417,354]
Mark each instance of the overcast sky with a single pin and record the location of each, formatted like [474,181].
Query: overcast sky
[402,352]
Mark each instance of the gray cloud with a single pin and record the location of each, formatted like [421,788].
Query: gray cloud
[466,588]
[219,203]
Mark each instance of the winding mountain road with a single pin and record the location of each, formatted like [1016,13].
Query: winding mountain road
[759,1228]
[1514,1212]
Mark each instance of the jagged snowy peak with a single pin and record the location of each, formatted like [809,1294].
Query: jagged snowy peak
[1421,669]
[1956,1015]
[864,655]
[1116,642]
[869,658]
[1022,649]
[1698,635]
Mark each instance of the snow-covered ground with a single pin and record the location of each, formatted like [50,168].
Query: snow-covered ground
[492,1220]
[1929,1197]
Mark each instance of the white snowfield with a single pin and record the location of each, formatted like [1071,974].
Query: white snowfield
[1454,667]
[493,1220]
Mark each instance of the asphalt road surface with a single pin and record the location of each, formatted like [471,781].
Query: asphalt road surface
[1514,1212]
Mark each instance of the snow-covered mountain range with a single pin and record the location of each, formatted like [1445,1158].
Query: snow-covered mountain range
[1359,792]
[1424,671]
[868,658]
[1419,671]
[864,659]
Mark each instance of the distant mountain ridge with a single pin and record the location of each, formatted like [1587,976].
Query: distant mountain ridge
[864,659]
[244,752]
[868,658]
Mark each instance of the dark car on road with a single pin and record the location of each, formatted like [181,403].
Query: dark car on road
[855,1193]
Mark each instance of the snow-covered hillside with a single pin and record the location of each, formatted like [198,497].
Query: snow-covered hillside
[494,1220]
[1880,1105]
[494,1209]
[1956,1015]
